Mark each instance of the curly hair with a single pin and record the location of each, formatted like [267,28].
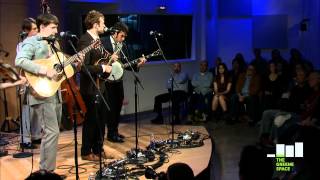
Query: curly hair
[92,17]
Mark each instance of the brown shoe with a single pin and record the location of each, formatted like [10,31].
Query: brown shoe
[104,156]
[90,157]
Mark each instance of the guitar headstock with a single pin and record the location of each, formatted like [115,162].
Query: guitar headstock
[156,53]
[45,7]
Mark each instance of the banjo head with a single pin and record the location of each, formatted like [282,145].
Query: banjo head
[116,72]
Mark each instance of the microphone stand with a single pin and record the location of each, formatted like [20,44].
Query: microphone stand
[78,107]
[171,92]
[54,50]
[136,81]
[21,154]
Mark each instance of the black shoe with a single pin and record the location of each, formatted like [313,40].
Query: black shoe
[27,146]
[115,139]
[121,136]
[157,120]
[36,141]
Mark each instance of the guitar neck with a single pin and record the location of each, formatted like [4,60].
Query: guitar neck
[74,57]
[133,62]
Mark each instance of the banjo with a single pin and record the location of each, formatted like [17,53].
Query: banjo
[117,67]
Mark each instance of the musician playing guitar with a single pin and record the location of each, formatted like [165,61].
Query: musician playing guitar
[93,126]
[114,89]
[47,109]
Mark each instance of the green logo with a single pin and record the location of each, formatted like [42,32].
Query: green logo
[286,151]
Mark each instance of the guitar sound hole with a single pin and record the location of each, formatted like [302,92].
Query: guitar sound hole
[58,68]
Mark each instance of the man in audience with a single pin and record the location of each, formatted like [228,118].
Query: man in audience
[247,92]
[292,101]
[259,63]
[179,94]
[202,95]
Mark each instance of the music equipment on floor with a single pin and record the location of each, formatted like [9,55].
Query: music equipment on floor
[46,87]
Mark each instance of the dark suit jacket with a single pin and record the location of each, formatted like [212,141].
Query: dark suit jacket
[108,46]
[86,85]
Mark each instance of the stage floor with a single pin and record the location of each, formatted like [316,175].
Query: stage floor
[197,158]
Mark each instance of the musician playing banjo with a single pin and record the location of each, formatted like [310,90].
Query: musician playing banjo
[114,87]
[47,109]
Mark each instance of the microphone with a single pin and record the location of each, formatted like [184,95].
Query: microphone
[110,30]
[50,38]
[67,34]
[155,33]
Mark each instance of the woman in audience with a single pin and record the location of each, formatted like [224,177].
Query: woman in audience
[291,102]
[273,88]
[238,67]
[221,89]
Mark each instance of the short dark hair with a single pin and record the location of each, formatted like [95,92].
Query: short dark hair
[179,171]
[121,27]
[27,24]
[251,155]
[92,17]
[46,19]
[43,174]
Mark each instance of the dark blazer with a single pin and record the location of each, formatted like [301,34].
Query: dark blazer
[108,46]
[86,85]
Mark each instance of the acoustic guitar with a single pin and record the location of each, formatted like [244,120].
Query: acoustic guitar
[46,87]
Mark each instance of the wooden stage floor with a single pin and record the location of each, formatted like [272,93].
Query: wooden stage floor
[198,158]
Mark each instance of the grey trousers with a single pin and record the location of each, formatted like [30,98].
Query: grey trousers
[267,121]
[49,116]
[30,125]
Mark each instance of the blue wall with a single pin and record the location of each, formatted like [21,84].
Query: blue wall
[222,30]
[235,31]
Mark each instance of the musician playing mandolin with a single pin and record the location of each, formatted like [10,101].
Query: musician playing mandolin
[31,133]
[114,89]
[47,109]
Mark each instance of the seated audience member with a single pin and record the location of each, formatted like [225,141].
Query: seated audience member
[293,101]
[178,171]
[295,59]
[179,94]
[238,67]
[273,88]
[285,129]
[259,63]
[247,92]
[221,89]
[254,164]
[281,63]
[200,100]
[214,69]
